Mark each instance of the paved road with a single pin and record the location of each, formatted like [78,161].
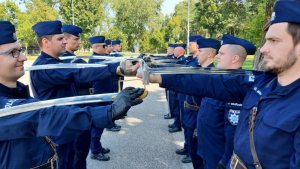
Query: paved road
[143,142]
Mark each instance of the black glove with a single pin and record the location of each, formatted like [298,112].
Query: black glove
[124,100]
[141,56]
[221,165]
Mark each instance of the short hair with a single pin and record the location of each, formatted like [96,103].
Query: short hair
[294,30]
[39,39]
[238,50]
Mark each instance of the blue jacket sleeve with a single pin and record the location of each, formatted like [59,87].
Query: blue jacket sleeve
[53,121]
[56,77]
[230,88]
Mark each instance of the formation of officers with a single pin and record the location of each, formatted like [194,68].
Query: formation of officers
[245,121]
[236,121]
[59,136]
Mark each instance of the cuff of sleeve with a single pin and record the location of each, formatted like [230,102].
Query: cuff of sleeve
[102,117]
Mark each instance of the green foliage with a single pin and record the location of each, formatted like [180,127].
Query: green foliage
[140,24]
[135,17]
[88,14]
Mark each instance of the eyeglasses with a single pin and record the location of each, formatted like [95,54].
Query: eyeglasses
[15,53]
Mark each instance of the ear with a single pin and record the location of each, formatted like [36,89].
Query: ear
[235,59]
[45,41]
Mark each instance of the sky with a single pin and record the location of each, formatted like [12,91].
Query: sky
[168,6]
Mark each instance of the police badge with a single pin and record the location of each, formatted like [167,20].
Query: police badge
[233,116]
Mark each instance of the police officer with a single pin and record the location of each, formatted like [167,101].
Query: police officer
[116,45]
[100,86]
[58,83]
[107,85]
[25,133]
[175,98]
[267,132]
[170,55]
[190,105]
[72,35]
[109,47]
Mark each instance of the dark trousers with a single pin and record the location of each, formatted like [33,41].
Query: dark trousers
[65,153]
[96,146]
[196,159]
[82,148]
[174,108]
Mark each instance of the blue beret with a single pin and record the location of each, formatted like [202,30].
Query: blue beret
[228,39]
[170,45]
[208,43]
[286,11]
[97,39]
[195,37]
[71,29]
[7,32]
[47,28]
[180,45]
[116,42]
[107,42]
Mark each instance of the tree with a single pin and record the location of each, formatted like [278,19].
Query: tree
[36,11]
[10,11]
[88,14]
[135,17]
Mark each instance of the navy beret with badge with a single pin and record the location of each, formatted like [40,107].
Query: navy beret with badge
[7,32]
[286,11]
[194,38]
[116,42]
[232,40]
[97,39]
[72,29]
[47,28]
[208,43]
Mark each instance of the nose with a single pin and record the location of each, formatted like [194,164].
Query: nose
[22,57]
[263,49]
[64,41]
[218,56]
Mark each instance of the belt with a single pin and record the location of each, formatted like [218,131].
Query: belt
[191,107]
[236,162]
[52,164]
[88,91]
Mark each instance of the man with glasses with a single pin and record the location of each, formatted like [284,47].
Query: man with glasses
[25,133]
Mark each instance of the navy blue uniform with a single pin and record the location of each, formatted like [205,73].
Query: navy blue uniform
[189,120]
[100,87]
[80,144]
[276,128]
[176,100]
[58,83]
[232,113]
[23,133]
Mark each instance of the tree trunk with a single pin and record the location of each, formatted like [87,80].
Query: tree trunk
[258,59]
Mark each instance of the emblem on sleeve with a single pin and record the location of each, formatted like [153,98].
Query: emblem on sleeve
[233,116]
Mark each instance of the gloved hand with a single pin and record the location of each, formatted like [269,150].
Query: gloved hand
[124,100]
[221,165]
